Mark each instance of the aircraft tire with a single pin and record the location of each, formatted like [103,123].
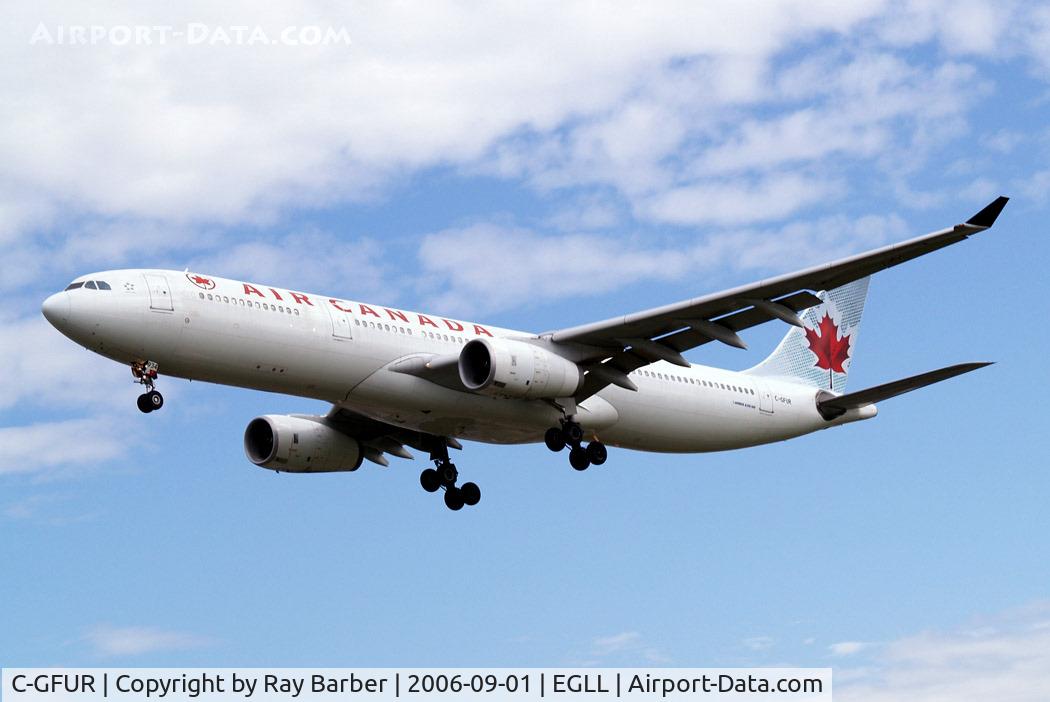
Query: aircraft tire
[578,458]
[454,498]
[144,404]
[470,493]
[430,480]
[597,454]
[554,439]
[155,400]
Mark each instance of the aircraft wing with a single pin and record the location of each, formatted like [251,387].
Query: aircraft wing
[610,349]
[378,437]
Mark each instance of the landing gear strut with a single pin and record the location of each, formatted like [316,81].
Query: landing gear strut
[444,475]
[145,373]
[571,434]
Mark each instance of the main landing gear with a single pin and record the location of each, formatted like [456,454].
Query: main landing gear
[145,372]
[571,434]
[445,475]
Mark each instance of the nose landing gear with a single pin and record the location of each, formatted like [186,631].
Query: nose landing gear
[571,434]
[445,475]
[145,373]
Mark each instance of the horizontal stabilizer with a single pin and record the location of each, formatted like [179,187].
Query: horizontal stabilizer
[835,406]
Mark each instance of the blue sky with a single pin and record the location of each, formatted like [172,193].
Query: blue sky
[537,168]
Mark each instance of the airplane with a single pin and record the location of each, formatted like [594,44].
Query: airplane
[398,379]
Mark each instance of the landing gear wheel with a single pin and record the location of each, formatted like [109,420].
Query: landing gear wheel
[448,474]
[144,403]
[454,498]
[573,433]
[597,453]
[155,400]
[555,439]
[578,458]
[430,480]
[470,493]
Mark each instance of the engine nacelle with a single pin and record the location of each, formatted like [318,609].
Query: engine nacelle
[509,368]
[299,445]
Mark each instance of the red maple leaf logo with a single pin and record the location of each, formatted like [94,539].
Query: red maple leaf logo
[830,350]
[201,282]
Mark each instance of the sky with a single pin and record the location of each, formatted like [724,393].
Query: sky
[536,166]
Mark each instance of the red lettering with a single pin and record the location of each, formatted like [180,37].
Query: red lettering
[335,304]
[448,323]
[252,290]
[299,297]
[479,330]
[397,315]
[276,294]
[365,309]
[425,320]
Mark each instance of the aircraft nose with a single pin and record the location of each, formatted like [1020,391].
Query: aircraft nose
[56,309]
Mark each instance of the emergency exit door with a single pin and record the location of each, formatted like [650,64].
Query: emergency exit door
[341,323]
[159,292]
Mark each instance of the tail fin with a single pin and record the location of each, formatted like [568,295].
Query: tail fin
[820,353]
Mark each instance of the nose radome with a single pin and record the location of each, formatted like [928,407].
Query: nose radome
[56,309]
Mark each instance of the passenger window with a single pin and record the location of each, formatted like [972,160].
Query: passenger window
[297,313]
[225,299]
[201,295]
[103,285]
[90,285]
[74,286]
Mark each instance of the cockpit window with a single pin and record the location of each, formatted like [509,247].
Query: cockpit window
[90,285]
[103,285]
[74,286]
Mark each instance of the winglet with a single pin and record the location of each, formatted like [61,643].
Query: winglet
[986,217]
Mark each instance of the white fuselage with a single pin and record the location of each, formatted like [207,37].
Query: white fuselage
[233,333]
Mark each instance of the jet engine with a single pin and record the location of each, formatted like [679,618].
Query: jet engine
[299,444]
[508,368]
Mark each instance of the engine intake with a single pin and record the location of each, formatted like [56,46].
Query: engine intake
[508,368]
[299,445]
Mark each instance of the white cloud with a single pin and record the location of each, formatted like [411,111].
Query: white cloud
[48,509]
[40,367]
[616,643]
[759,643]
[627,647]
[189,133]
[1036,187]
[306,260]
[45,446]
[724,202]
[110,641]
[487,267]
[1005,658]
[847,648]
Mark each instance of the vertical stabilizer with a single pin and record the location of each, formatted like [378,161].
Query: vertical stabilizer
[820,353]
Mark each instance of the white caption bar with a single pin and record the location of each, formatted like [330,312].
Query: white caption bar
[378,684]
